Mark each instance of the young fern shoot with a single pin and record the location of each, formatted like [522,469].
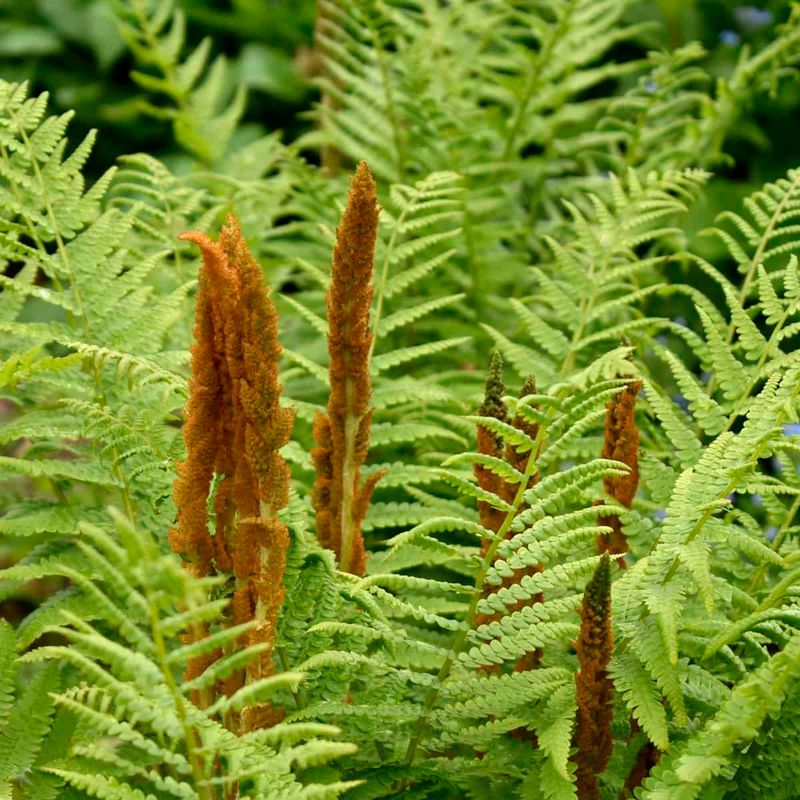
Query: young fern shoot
[490,444]
[342,435]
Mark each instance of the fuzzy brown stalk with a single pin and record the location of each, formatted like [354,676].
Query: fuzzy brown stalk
[519,460]
[621,443]
[593,687]
[646,759]
[492,444]
[202,433]
[235,428]
[342,434]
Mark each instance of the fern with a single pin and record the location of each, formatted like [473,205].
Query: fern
[598,600]
[135,729]
[204,117]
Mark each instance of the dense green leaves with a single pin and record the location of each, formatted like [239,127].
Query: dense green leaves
[537,195]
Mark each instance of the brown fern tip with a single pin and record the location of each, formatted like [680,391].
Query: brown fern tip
[491,444]
[621,443]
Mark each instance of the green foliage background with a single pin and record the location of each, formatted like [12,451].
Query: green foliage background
[73,49]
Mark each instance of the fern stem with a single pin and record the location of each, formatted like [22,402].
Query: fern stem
[756,260]
[533,81]
[477,591]
[783,531]
[766,353]
[385,273]
[330,157]
[762,244]
[732,484]
[477,293]
[204,791]
[297,694]
[168,70]
[32,232]
[390,106]
[349,477]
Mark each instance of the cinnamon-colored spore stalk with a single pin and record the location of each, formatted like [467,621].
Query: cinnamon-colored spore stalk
[342,434]
[594,691]
[492,444]
[621,443]
[235,427]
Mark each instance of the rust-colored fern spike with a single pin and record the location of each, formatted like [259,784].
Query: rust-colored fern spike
[342,434]
[201,432]
[491,444]
[593,687]
[621,442]
[235,428]
[519,460]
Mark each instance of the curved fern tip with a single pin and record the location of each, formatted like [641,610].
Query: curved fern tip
[198,237]
[528,386]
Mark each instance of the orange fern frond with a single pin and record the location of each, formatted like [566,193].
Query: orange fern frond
[594,690]
[235,429]
[621,443]
[202,434]
[342,435]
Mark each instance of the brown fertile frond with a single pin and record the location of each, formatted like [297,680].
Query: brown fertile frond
[647,757]
[202,432]
[342,436]
[235,429]
[490,444]
[593,687]
[621,443]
